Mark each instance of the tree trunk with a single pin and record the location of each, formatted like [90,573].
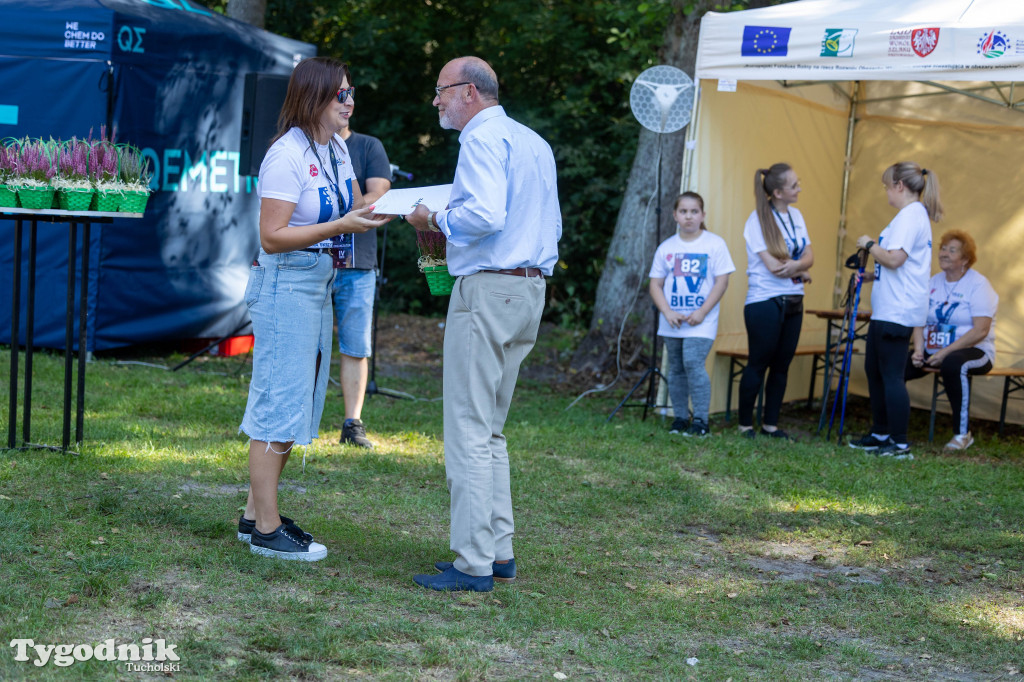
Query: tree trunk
[637,232]
[250,11]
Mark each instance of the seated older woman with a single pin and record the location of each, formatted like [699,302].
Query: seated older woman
[960,335]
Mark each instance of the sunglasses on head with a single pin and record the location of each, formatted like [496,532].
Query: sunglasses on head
[345,93]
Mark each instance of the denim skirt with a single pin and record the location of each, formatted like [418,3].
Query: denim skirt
[289,300]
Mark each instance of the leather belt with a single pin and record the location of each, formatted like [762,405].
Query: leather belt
[519,272]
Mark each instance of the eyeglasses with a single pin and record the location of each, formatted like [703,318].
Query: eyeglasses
[439,88]
[345,93]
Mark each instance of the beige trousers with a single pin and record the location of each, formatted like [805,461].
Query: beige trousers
[492,326]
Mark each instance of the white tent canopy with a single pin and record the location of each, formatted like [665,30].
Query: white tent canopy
[841,89]
[953,40]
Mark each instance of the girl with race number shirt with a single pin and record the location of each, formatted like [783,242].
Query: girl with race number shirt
[308,197]
[899,302]
[689,276]
[959,336]
[779,256]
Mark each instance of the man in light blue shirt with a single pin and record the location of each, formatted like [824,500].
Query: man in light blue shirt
[502,225]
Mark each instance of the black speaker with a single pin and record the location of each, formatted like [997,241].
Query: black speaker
[264,95]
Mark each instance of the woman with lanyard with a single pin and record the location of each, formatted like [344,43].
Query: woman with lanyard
[308,198]
[779,255]
[959,336]
[899,302]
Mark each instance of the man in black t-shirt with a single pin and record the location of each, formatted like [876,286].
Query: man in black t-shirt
[354,287]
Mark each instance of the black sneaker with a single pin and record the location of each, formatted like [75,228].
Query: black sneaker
[698,429]
[777,433]
[749,433]
[890,449]
[354,433]
[868,442]
[246,527]
[680,425]
[285,544]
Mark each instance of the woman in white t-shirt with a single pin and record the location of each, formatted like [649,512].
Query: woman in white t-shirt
[308,196]
[689,276]
[959,336]
[779,255]
[899,302]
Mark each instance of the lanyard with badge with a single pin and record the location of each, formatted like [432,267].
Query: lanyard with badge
[338,246]
[797,249]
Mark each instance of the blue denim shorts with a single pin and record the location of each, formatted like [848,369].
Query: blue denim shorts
[353,308]
[289,300]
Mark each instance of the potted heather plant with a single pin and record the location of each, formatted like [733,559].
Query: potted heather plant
[73,180]
[135,174]
[34,171]
[8,161]
[106,176]
[433,262]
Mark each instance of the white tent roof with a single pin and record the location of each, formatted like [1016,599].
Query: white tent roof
[924,40]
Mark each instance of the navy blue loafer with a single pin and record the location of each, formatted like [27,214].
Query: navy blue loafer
[454,580]
[503,573]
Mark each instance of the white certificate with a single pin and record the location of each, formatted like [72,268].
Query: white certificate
[404,201]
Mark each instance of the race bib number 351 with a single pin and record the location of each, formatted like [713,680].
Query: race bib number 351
[938,336]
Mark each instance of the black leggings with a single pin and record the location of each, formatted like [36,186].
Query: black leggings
[955,369]
[772,336]
[885,358]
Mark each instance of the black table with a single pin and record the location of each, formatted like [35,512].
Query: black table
[73,220]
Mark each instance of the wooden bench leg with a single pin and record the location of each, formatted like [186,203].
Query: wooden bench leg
[814,374]
[733,373]
[1017,384]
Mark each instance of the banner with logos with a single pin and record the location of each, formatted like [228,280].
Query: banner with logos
[843,40]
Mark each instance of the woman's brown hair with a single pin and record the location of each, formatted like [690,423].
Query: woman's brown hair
[766,181]
[314,83]
[918,180]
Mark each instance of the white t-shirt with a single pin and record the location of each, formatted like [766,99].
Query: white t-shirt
[690,270]
[292,172]
[761,283]
[952,307]
[901,295]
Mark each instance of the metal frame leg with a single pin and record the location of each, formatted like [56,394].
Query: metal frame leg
[12,408]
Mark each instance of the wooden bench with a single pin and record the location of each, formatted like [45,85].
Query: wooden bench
[1013,381]
[738,360]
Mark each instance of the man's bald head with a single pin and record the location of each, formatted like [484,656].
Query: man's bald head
[478,72]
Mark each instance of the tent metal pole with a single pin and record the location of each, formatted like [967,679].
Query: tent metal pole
[691,142]
[844,197]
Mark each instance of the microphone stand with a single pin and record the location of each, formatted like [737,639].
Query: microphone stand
[371,385]
[653,372]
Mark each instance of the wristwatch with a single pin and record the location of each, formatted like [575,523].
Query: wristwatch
[868,245]
[432,222]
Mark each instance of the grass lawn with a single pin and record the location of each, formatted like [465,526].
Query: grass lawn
[642,555]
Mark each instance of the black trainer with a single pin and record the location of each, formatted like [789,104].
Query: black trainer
[246,527]
[868,442]
[354,433]
[777,433]
[698,429]
[890,449]
[284,544]
[679,425]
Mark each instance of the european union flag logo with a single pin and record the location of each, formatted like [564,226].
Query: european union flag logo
[765,41]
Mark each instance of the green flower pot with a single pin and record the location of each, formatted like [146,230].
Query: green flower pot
[75,199]
[134,201]
[35,197]
[439,281]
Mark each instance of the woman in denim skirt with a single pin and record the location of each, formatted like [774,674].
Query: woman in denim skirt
[308,198]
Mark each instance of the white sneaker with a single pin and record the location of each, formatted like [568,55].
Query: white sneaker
[960,441]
